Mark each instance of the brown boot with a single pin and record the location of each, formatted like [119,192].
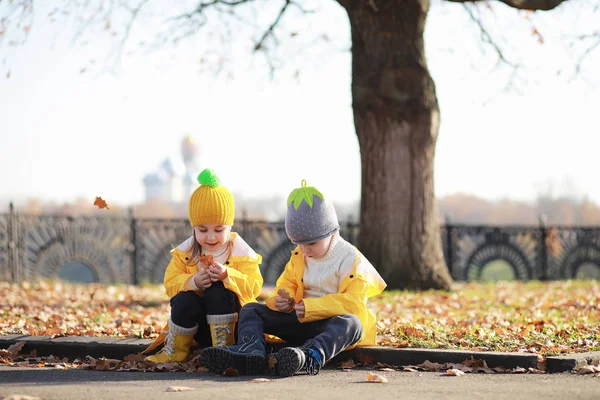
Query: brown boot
[177,345]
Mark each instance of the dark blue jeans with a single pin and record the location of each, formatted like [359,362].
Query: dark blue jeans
[330,336]
[190,308]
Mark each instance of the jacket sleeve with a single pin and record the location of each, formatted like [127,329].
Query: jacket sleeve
[352,301]
[176,275]
[287,282]
[245,280]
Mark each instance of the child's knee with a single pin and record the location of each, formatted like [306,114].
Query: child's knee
[351,322]
[183,300]
[251,308]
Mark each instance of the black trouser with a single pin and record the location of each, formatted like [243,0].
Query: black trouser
[330,336]
[190,308]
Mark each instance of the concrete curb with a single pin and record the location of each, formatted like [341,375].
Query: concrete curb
[80,346]
[572,361]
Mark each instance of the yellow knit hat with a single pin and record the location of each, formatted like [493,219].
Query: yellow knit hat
[211,203]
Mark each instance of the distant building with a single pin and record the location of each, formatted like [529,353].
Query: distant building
[174,181]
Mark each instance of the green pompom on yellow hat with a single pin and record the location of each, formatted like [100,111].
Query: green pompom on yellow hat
[211,203]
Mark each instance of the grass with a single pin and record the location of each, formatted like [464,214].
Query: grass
[545,318]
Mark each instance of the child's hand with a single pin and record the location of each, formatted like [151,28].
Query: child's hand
[283,304]
[300,309]
[217,272]
[202,279]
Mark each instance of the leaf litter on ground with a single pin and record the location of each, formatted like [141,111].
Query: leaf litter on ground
[544,318]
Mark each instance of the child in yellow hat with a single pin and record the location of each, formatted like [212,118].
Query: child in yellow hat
[210,277]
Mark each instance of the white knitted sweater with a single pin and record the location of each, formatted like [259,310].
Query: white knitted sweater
[323,276]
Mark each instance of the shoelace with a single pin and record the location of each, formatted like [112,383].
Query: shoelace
[222,333]
[312,365]
[169,347]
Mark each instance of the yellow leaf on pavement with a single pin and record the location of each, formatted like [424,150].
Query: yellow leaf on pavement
[376,378]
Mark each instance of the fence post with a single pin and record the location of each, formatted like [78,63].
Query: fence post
[449,229]
[245,224]
[133,244]
[13,245]
[543,247]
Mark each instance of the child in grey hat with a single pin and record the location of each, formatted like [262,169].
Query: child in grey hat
[319,306]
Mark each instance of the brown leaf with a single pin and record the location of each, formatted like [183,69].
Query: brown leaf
[206,261]
[271,361]
[134,357]
[454,372]
[100,203]
[476,365]
[364,358]
[231,372]
[348,364]
[587,369]
[376,378]
[14,349]
[285,295]
[429,366]
[179,389]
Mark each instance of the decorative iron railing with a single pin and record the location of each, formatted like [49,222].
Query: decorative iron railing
[130,250]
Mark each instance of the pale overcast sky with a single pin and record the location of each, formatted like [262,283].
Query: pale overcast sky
[67,133]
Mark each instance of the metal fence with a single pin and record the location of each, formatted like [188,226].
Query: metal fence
[131,250]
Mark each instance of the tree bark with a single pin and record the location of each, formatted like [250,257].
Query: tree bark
[396,116]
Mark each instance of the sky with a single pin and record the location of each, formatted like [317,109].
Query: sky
[76,123]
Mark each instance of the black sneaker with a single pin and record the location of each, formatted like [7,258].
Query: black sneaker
[291,360]
[247,358]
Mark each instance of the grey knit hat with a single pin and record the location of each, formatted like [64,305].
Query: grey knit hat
[310,217]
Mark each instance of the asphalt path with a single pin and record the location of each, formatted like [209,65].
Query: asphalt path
[51,383]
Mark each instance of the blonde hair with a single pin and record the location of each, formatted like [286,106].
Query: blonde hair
[195,250]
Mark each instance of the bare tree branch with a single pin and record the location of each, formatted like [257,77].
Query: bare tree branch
[20,13]
[81,28]
[134,15]
[595,37]
[269,31]
[541,5]
[485,35]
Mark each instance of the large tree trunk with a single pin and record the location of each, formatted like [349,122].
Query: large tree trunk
[396,115]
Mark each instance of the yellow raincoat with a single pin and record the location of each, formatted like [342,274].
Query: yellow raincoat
[355,288]
[243,274]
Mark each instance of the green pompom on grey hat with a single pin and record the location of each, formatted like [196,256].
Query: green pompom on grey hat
[309,217]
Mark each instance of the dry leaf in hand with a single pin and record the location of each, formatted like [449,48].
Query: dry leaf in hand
[179,389]
[205,261]
[101,203]
[454,372]
[285,295]
[371,377]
